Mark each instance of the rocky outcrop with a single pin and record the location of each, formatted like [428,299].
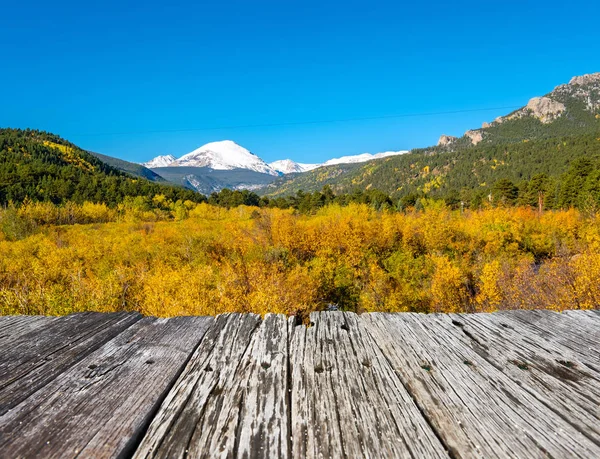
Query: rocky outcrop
[564,103]
[476,136]
[585,79]
[446,140]
[545,109]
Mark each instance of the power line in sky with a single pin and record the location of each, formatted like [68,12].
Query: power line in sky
[296,123]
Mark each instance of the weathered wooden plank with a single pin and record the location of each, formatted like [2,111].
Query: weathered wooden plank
[213,410]
[585,320]
[579,336]
[13,327]
[101,406]
[518,383]
[548,371]
[262,383]
[35,358]
[346,399]
[558,337]
[477,409]
[589,317]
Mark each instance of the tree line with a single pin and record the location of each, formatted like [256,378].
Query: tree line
[39,166]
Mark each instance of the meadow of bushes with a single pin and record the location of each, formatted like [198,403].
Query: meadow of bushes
[188,258]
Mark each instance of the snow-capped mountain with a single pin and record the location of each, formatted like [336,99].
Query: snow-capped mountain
[223,155]
[228,155]
[287,166]
[362,158]
[160,161]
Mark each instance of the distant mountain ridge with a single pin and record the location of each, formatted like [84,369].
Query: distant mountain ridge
[542,137]
[206,180]
[228,155]
[193,169]
[362,158]
[134,169]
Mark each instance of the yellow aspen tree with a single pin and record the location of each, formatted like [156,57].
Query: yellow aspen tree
[448,292]
[490,296]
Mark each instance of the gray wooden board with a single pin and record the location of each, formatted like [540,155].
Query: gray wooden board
[514,383]
[346,399]
[548,371]
[589,317]
[101,406]
[558,337]
[581,337]
[476,408]
[13,327]
[33,359]
[586,321]
[216,408]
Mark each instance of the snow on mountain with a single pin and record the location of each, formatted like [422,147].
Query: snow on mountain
[160,161]
[362,158]
[287,166]
[225,155]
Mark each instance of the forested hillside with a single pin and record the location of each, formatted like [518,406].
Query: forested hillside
[137,170]
[543,137]
[565,169]
[571,109]
[552,173]
[39,166]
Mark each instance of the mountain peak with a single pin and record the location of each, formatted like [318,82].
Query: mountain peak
[576,105]
[160,161]
[585,79]
[287,166]
[226,146]
[221,155]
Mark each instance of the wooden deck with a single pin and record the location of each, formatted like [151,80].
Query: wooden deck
[509,384]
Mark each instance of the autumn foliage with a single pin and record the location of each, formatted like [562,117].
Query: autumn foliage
[202,259]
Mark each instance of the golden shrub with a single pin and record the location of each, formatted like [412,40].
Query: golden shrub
[183,258]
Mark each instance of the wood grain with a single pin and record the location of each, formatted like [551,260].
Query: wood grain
[547,371]
[576,331]
[508,384]
[475,406]
[31,360]
[13,327]
[346,398]
[101,406]
[199,416]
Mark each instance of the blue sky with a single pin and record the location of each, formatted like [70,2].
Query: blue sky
[135,80]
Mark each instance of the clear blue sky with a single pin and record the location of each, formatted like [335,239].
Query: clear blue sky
[109,75]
